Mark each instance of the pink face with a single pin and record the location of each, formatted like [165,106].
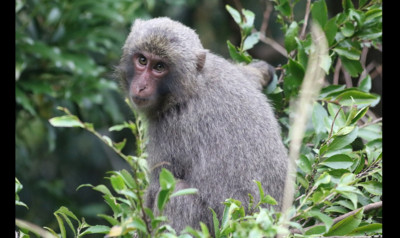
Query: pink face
[149,72]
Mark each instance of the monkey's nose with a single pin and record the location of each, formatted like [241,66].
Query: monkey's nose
[142,88]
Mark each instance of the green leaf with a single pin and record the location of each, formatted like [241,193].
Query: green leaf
[237,56]
[204,230]
[360,114]
[167,180]
[337,209]
[353,67]
[118,127]
[234,13]
[215,223]
[163,197]
[227,214]
[319,12]
[348,29]
[66,121]
[355,96]
[103,189]
[187,191]
[351,54]
[251,40]
[340,141]
[347,4]
[109,219]
[331,89]
[120,145]
[269,200]
[22,99]
[372,187]
[107,140]
[138,224]
[370,132]
[339,161]
[284,7]
[291,34]
[330,30]
[372,14]
[129,181]
[117,183]
[345,130]
[260,189]
[96,230]
[61,226]
[315,230]
[249,17]
[318,115]
[322,217]
[347,179]
[304,164]
[346,225]
[296,70]
[361,3]
[66,211]
[370,229]
[322,179]
[365,84]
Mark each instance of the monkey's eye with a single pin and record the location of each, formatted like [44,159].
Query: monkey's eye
[142,60]
[160,67]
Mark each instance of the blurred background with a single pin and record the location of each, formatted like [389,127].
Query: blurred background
[65,54]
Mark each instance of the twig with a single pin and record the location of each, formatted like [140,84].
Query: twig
[347,78]
[307,13]
[33,228]
[275,45]
[266,15]
[372,122]
[333,123]
[337,72]
[312,83]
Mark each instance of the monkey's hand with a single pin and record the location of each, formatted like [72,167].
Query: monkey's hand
[266,70]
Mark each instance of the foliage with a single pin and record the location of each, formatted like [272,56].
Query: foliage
[340,166]
[64,54]
[339,170]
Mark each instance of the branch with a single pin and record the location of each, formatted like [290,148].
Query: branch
[307,13]
[266,15]
[33,228]
[273,44]
[337,72]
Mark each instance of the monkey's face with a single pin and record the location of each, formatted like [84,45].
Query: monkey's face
[149,72]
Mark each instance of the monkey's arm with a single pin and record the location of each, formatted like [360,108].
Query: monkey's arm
[260,72]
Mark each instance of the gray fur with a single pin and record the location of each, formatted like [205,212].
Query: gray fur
[215,128]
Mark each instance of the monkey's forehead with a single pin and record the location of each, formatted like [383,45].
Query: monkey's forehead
[162,34]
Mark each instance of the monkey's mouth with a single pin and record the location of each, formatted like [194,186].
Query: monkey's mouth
[140,101]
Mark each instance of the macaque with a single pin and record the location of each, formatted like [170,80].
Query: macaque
[207,121]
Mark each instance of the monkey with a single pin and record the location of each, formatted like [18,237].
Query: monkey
[207,121]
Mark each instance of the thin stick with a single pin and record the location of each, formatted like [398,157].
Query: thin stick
[275,45]
[307,13]
[266,15]
[310,88]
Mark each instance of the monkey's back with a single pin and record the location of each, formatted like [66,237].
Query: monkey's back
[226,133]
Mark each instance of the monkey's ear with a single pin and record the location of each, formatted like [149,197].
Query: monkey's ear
[201,59]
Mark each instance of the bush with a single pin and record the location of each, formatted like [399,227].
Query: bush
[338,172]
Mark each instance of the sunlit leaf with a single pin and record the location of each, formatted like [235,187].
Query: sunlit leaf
[66,121]
[339,161]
